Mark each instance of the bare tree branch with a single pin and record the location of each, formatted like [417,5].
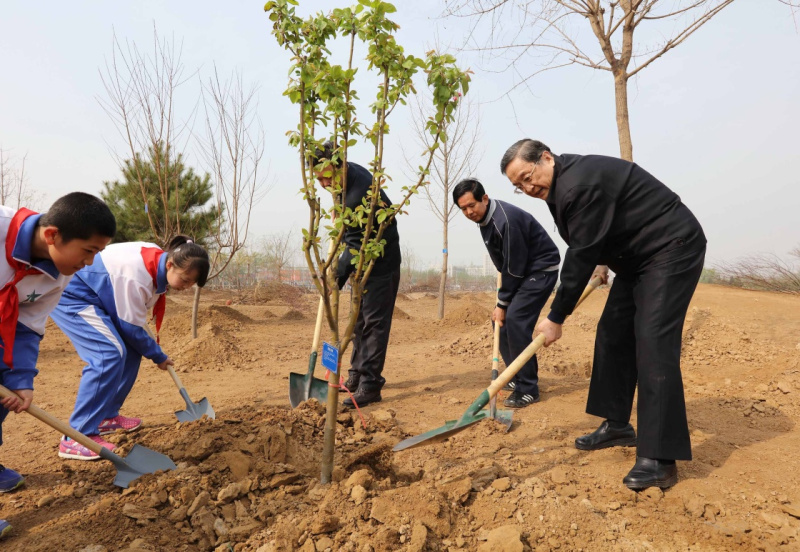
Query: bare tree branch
[453,161]
[233,147]
[140,100]
[14,189]
[533,36]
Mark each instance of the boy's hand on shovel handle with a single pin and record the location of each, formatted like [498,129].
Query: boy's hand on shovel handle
[165,364]
[550,330]
[20,402]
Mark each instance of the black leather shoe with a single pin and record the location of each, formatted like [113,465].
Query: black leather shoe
[605,436]
[649,472]
[352,381]
[363,397]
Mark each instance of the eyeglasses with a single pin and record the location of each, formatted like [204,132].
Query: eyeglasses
[519,188]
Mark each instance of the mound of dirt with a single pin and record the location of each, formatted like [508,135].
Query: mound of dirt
[177,323]
[256,313]
[292,314]
[274,293]
[214,349]
[249,479]
[415,295]
[400,314]
[468,312]
[215,312]
[476,344]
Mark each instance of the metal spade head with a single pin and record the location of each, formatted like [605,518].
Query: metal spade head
[194,411]
[139,461]
[305,386]
[453,426]
[302,387]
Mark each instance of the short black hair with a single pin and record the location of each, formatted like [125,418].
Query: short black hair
[526,149]
[80,216]
[325,152]
[189,256]
[468,185]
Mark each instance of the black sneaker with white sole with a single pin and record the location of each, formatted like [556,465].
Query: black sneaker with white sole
[510,386]
[520,400]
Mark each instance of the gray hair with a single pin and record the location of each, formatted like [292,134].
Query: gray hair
[526,149]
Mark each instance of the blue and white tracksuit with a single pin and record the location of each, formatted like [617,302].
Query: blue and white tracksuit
[104,311]
[38,296]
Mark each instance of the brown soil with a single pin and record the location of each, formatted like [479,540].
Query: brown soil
[249,480]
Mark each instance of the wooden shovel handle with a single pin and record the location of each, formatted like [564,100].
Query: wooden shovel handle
[175,377]
[531,349]
[320,311]
[496,343]
[318,326]
[55,423]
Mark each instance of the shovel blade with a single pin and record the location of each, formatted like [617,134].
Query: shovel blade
[453,426]
[304,386]
[195,411]
[504,417]
[139,461]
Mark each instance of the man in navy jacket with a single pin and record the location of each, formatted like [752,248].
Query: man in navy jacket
[371,333]
[612,212]
[527,260]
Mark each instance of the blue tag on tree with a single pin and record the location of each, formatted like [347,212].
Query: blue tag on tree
[330,357]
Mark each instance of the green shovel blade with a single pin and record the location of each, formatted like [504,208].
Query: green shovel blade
[471,416]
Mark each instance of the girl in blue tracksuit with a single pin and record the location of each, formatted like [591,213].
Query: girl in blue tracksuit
[104,313]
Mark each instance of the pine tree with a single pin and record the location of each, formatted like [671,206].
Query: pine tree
[160,197]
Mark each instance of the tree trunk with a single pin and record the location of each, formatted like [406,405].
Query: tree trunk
[195,307]
[443,279]
[623,121]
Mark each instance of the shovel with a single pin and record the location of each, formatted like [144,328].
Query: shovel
[305,386]
[139,461]
[504,416]
[194,410]
[475,413]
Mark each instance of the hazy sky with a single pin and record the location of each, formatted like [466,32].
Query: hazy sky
[717,119]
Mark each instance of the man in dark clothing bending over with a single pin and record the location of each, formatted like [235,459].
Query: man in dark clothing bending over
[371,334]
[527,260]
[612,212]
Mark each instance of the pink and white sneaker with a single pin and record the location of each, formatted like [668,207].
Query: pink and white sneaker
[76,451]
[110,425]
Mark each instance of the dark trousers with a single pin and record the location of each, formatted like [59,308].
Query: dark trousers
[371,334]
[639,339]
[516,333]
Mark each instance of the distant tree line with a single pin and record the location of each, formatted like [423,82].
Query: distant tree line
[761,271]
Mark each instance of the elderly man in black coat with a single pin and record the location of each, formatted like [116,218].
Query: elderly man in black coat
[614,214]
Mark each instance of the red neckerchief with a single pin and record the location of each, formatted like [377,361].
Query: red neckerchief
[151,256]
[9,297]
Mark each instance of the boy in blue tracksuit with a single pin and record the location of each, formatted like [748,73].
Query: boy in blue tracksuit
[104,313]
[41,254]
[527,260]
